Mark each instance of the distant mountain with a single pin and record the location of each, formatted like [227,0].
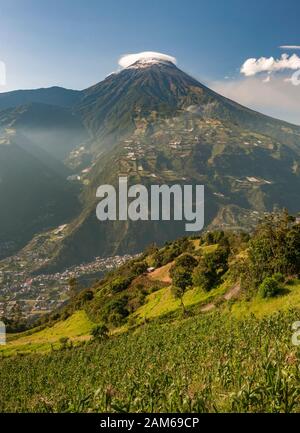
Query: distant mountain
[53,128]
[52,95]
[156,124]
[112,106]
[34,192]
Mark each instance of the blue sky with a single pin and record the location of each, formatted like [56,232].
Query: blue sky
[77,43]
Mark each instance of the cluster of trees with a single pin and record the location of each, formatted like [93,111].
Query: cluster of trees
[205,271]
[269,256]
[211,268]
[116,296]
[171,250]
[274,250]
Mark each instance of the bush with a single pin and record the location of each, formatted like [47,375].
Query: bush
[279,277]
[64,341]
[138,268]
[269,287]
[100,331]
[119,284]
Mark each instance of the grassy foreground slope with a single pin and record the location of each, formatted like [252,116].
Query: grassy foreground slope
[204,364]
[76,328]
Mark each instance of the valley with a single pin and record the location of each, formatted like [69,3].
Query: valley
[29,297]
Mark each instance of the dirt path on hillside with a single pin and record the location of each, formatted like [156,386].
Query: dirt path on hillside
[231,294]
[162,274]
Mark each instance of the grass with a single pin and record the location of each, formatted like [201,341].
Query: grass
[159,303]
[290,298]
[207,249]
[77,328]
[163,302]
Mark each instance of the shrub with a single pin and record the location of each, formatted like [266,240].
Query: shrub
[64,341]
[269,287]
[116,319]
[119,284]
[279,277]
[100,331]
[139,268]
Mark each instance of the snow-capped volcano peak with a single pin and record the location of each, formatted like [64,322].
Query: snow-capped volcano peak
[145,63]
[145,59]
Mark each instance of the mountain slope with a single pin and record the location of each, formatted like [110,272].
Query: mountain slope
[155,124]
[34,191]
[110,107]
[52,128]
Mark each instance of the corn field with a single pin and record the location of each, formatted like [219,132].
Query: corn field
[208,363]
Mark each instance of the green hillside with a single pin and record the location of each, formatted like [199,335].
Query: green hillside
[143,341]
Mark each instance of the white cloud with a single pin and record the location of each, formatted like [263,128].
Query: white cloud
[277,98]
[290,47]
[254,66]
[128,59]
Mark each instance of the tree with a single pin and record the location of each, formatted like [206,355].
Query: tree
[181,279]
[211,267]
[119,284]
[73,286]
[187,261]
[139,268]
[204,276]
[274,247]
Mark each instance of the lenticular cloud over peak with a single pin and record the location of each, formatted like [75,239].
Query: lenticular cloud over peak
[129,59]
